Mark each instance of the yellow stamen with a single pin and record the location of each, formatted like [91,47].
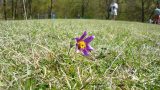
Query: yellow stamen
[81,45]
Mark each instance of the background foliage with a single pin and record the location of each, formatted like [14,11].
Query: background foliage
[128,9]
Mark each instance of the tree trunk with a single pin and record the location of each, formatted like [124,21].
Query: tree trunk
[142,10]
[108,9]
[30,9]
[83,7]
[82,10]
[12,9]
[24,9]
[15,9]
[50,11]
[4,9]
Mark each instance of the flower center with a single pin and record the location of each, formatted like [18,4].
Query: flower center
[81,45]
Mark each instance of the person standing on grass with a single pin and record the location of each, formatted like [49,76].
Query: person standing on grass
[157,14]
[113,10]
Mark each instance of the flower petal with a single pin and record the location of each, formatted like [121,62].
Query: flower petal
[89,39]
[77,39]
[84,34]
[89,48]
[77,51]
[85,52]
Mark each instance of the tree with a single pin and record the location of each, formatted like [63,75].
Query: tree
[142,2]
[107,8]
[4,9]
[24,9]
[83,7]
[30,8]
[50,9]
[13,9]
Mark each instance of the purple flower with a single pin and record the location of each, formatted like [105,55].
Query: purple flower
[82,44]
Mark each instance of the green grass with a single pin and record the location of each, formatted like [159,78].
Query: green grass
[36,55]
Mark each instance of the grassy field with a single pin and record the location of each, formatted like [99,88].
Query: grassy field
[36,55]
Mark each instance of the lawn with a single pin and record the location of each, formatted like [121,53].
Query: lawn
[37,55]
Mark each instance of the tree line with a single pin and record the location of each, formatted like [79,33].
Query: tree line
[132,10]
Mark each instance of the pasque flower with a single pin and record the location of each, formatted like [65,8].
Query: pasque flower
[82,44]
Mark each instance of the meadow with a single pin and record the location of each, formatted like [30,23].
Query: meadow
[40,55]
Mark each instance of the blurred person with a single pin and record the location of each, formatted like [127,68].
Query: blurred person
[113,10]
[157,14]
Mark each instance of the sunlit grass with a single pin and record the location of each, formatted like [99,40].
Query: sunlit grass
[36,54]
